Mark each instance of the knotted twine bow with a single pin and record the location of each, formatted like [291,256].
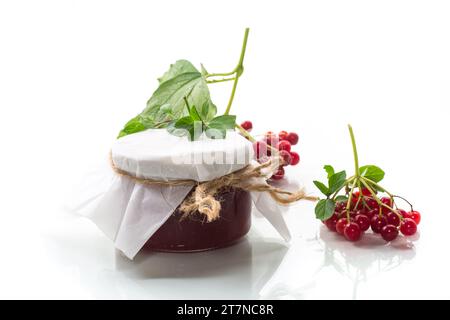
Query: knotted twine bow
[203,199]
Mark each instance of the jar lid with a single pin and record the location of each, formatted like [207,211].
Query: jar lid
[157,154]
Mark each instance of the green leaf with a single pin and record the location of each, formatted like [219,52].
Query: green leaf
[218,126]
[214,133]
[192,127]
[167,103]
[179,67]
[336,181]
[136,124]
[372,172]
[184,123]
[323,188]
[341,199]
[329,169]
[194,114]
[203,69]
[208,110]
[324,209]
[225,122]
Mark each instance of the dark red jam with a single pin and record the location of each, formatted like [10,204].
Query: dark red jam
[194,234]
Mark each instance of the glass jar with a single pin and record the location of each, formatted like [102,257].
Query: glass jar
[194,234]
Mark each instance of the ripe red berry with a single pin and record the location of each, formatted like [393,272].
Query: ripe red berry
[283,135]
[340,225]
[292,137]
[393,218]
[353,213]
[371,213]
[403,213]
[295,158]
[387,201]
[279,174]
[362,211]
[340,206]
[415,215]
[372,203]
[352,231]
[271,138]
[331,222]
[284,145]
[377,223]
[356,196]
[389,232]
[247,125]
[260,148]
[363,221]
[408,227]
[286,156]
[366,192]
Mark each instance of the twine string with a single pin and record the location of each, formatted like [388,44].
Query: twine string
[203,198]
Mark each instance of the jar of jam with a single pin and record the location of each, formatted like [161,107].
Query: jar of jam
[195,234]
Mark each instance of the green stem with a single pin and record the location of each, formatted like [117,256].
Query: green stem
[245,133]
[350,199]
[233,91]
[355,151]
[220,80]
[349,180]
[377,185]
[238,70]
[395,196]
[381,204]
[225,74]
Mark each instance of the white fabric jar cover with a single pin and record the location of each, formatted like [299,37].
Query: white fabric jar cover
[129,213]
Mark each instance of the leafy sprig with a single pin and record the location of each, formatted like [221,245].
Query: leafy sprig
[366,176]
[183,85]
[195,123]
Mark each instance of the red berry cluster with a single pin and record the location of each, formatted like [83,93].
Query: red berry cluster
[273,143]
[377,214]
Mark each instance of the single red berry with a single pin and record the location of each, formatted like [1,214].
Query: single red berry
[393,218]
[286,156]
[355,196]
[295,158]
[372,203]
[279,174]
[363,222]
[387,201]
[353,213]
[371,213]
[331,222]
[271,138]
[363,211]
[284,145]
[352,231]
[415,215]
[366,192]
[340,206]
[389,232]
[283,135]
[292,137]
[403,213]
[260,148]
[247,125]
[377,223]
[408,227]
[341,224]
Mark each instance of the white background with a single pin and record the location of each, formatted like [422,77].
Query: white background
[73,72]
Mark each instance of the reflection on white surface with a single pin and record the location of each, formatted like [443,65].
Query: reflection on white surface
[328,257]
[238,271]
[98,271]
